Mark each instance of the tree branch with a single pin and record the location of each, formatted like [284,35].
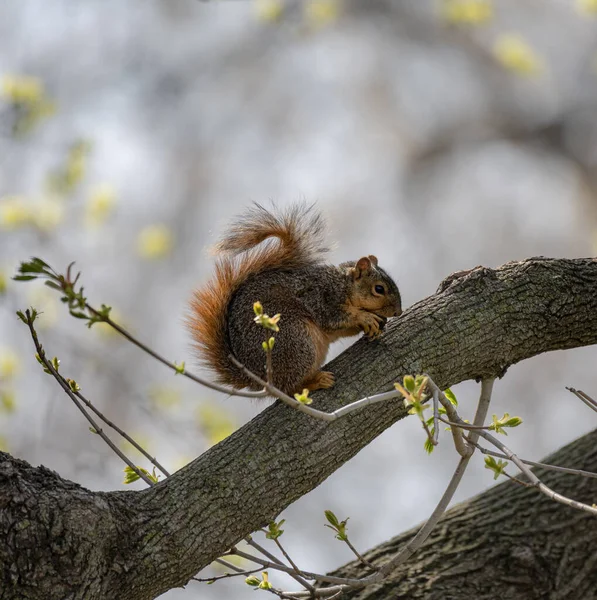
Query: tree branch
[149,541]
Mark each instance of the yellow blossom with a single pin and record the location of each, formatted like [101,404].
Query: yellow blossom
[10,364]
[215,422]
[99,205]
[164,397]
[513,52]
[22,89]
[321,12]
[48,213]
[268,10]
[129,449]
[154,242]
[14,212]
[3,444]
[3,282]
[64,180]
[180,462]
[7,402]
[468,12]
[587,6]
[29,95]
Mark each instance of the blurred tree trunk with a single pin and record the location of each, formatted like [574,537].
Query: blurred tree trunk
[59,540]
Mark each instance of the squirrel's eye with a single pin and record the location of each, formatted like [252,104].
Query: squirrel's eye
[379,289]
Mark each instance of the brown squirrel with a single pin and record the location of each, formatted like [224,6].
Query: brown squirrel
[319,303]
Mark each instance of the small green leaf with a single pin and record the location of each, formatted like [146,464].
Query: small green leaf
[21,316]
[73,385]
[335,525]
[429,447]
[409,383]
[497,467]
[78,315]
[274,530]
[513,422]
[253,581]
[331,518]
[449,394]
[24,277]
[130,475]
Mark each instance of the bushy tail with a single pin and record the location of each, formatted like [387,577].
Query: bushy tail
[300,233]
[300,230]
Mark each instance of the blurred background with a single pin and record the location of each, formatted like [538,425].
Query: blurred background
[437,134]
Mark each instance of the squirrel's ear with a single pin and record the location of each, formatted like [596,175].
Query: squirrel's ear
[373,259]
[362,267]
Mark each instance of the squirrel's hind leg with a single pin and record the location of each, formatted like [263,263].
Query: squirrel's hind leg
[320,380]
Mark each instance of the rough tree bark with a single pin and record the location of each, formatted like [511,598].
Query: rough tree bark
[60,540]
[510,543]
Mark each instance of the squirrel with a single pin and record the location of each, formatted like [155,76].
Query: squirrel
[318,302]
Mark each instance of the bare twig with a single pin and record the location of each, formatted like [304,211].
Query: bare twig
[228,564]
[171,365]
[417,541]
[269,369]
[540,465]
[584,397]
[435,397]
[295,574]
[66,387]
[313,412]
[367,563]
[459,441]
[225,576]
[125,435]
[535,481]
[307,574]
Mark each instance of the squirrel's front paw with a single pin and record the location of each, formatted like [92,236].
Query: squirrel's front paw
[371,324]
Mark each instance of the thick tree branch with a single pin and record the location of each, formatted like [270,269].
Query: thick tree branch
[136,545]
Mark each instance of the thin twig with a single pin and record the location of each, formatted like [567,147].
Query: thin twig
[295,574]
[435,397]
[125,435]
[307,574]
[335,591]
[540,465]
[228,564]
[171,365]
[459,441]
[313,412]
[360,556]
[466,426]
[584,397]
[417,541]
[65,386]
[225,576]
[269,369]
[535,481]
[286,555]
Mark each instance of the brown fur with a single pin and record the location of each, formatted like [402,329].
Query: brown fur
[319,303]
